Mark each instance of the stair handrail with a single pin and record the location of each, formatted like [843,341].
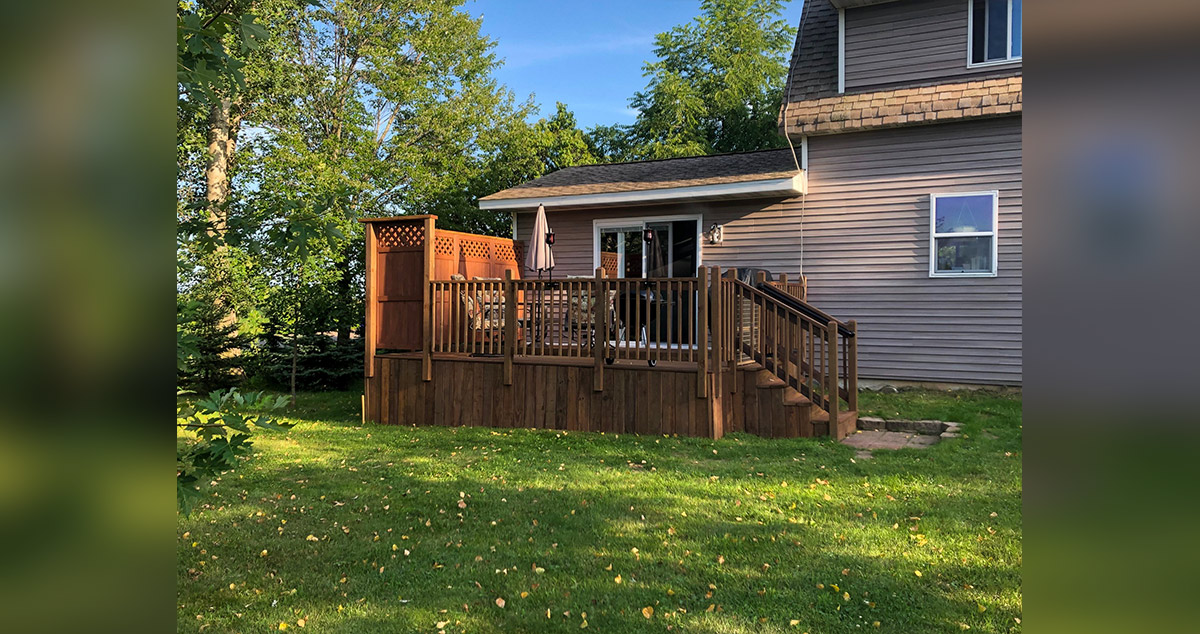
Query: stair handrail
[802,306]
[840,351]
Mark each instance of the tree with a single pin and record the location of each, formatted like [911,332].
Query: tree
[219,425]
[513,152]
[717,84]
[375,108]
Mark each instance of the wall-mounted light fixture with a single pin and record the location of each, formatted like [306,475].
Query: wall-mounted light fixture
[715,234]
[550,237]
[648,234]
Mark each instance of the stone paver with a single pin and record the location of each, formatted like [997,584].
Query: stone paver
[878,439]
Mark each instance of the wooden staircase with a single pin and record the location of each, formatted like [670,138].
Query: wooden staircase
[766,406]
[792,365]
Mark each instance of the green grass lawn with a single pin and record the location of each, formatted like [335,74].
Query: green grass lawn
[384,529]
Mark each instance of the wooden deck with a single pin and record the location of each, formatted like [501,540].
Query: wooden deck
[545,394]
[696,356]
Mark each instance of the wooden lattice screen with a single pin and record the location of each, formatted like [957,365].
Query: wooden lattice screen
[403,254]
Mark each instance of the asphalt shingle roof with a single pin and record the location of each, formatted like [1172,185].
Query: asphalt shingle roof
[660,174]
[814,68]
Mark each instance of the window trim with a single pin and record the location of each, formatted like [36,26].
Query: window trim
[994,234]
[971,40]
[610,223]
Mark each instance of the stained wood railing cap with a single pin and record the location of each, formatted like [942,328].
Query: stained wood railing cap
[396,218]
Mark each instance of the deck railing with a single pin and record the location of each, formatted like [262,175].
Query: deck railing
[807,349]
[598,318]
[681,320]
[795,288]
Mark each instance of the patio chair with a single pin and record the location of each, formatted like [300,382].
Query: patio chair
[483,316]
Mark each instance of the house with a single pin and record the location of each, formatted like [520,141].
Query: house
[900,203]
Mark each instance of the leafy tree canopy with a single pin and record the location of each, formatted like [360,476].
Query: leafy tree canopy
[716,86]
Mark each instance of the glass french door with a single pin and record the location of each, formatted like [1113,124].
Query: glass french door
[624,252]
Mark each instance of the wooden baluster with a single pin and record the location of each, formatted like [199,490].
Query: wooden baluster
[718,355]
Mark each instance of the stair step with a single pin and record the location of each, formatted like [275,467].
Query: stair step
[750,366]
[794,398]
[766,380]
[822,416]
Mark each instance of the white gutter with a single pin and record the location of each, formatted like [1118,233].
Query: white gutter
[784,187]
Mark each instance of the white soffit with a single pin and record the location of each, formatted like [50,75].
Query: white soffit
[782,187]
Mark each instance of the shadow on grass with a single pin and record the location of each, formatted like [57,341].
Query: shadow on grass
[586,510]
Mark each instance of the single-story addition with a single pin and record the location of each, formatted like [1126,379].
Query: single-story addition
[857,225]
[899,198]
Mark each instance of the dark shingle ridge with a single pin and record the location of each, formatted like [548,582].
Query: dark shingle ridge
[686,171]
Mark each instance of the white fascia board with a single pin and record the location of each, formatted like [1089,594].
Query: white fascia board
[791,186]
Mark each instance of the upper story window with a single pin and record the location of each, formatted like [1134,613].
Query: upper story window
[995,32]
[962,236]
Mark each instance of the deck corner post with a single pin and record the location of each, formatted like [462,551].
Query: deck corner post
[718,328]
[510,325]
[852,351]
[600,327]
[370,322]
[702,292]
[427,303]
[831,393]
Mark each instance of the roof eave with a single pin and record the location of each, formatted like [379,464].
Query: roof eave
[776,187]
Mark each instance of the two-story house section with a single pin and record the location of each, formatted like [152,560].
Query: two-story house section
[900,203]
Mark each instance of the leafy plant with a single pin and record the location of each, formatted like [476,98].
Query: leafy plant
[221,424]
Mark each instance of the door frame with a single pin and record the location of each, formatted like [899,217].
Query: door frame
[642,221]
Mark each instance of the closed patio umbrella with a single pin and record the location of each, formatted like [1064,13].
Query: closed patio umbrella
[539,256]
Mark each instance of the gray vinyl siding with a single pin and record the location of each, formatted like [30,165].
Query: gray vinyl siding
[864,244]
[900,44]
[867,249]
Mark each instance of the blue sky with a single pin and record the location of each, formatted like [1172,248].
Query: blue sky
[586,54]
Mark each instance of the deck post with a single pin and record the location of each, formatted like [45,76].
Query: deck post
[759,279]
[370,325]
[427,304]
[510,325]
[702,334]
[718,328]
[831,377]
[734,326]
[600,328]
[853,364]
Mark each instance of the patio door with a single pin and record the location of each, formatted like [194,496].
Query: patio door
[621,248]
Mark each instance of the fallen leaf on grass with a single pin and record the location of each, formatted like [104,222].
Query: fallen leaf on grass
[648,612]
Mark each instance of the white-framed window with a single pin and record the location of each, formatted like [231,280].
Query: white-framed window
[962,234]
[993,32]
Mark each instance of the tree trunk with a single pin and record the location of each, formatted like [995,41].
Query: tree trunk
[295,353]
[222,141]
[216,173]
